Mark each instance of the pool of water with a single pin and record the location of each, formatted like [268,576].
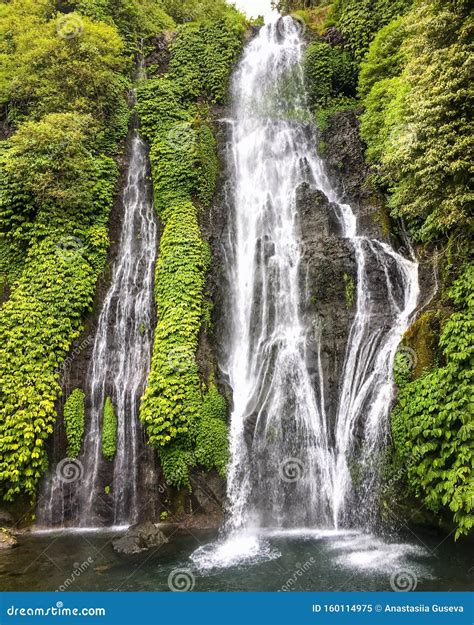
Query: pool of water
[298,560]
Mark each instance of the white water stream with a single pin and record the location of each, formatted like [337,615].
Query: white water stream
[118,369]
[289,465]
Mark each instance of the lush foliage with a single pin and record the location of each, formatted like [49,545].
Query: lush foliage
[196,10]
[109,430]
[415,86]
[329,73]
[63,91]
[173,396]
[184,169]
[74,422]
[432,423]
[205,443]
[67,241]
[64,73]
[417,122]
[203,55]
[360,20]
[46,70]
[212,447]
[136,20]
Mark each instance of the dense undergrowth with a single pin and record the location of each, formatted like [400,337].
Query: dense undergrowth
[64,113]
[410,62]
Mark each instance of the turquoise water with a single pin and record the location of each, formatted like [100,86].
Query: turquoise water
[311,561]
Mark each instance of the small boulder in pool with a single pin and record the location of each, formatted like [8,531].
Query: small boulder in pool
[7,540]
[140,538]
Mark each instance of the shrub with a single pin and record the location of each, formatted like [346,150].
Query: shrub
[432,422]
[74,422]
[329,73]
[109,431]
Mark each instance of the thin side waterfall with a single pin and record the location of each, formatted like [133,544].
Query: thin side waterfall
[118,369]
[289,458]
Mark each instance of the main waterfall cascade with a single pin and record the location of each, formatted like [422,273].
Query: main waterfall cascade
[289,458]
[118,369]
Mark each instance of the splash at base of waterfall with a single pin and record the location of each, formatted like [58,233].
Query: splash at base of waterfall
[348,549]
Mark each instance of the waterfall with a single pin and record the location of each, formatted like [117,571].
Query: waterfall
[289,458]
[106,492]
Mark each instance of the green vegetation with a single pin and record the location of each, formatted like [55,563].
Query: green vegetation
[360,20]
[65,241]
[418,135]
[196,10]
[415,88]
[349,290]
[74,422]
[205,442]
[175,119]
[109,431]
[411,63]
[414,85]
[62,91]
[212,448]
[66,68]
[329,73]
[432,423]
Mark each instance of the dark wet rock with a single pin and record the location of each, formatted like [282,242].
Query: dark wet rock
[6,519]
[333,36]
[157,62]
[209,496]
[7,540]
[140,538]
[344,156]
[327,267]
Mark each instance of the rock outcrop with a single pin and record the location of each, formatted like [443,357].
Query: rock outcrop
[140,538]
[7,540]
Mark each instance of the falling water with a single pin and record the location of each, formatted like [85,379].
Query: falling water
[289,458]
[118,368]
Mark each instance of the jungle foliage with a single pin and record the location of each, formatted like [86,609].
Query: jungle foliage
[74,422]
[109,430]
[412,63]
[64,70]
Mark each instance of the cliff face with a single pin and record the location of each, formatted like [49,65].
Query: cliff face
[328,277]
[329,272]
